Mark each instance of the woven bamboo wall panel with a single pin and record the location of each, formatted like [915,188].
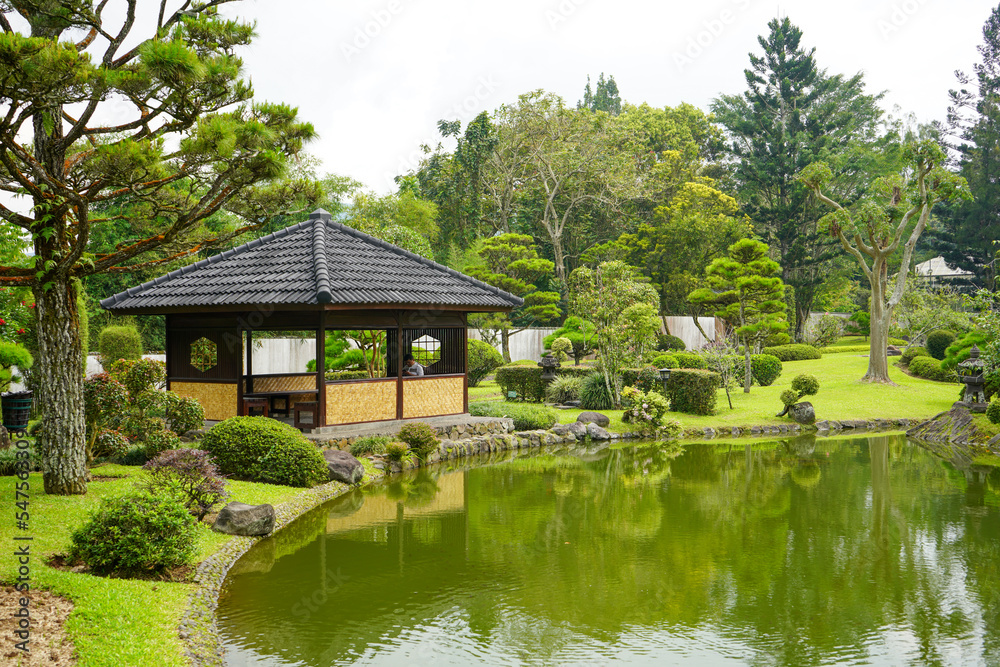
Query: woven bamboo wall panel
[433,396]
[352,402]
[219,400]
[264,384]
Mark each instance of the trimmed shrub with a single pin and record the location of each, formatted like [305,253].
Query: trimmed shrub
[483,360]
[138,375]
[665,361]
[938,343]
[572,371]
[133,456]
[930,368]
[805,385]
[789,397]
[524,381]
[594,394]
[190,476]
[693,391]
[159,440]
[561,349]
[665,343]
[259,449]
[526,417]
[183,413]
[341,376]
[777,339]
[563,389]
[108,443]
[912,353]
[690,360]
[420,437]
[993,412]
[959,351]
[793,352]
[119,343]
[370,444]
[646,378]
[765,369]
[398,452]
[136,534]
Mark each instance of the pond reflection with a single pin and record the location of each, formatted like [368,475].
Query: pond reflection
[793,552]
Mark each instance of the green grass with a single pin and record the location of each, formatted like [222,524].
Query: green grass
[987,460]
[114,621]
[841,396]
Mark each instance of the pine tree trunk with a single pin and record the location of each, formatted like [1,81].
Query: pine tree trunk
[59,382]
[881,314]
[505,344]
[747,375]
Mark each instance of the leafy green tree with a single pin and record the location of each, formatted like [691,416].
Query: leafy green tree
[402,219]
[95,111]
[622,308]
[873,229]
[746,290]
[792,114]
[604,98]
[579,332]
[511,262]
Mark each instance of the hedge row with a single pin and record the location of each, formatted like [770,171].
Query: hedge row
[526,381]
[693,391]
[930,368]
[793,352]
[912,353]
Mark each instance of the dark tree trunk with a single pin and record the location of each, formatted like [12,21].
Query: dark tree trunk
[59,386]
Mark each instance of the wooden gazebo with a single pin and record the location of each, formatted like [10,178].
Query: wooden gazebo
[317,276]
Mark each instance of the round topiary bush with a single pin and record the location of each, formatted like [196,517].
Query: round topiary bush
[117,343]
[667,343]
[805,385]
[483,360]
[938,342]
[259,449]
[912,353]
[561,348]
[930,368]
[993,412]
[665,361]
[420,437]
[690,360]
[765,369]
[594,394]
[136,534]
[789,397]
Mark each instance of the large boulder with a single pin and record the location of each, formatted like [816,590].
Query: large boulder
[597,433]
[803,412]
[242,519]
[577,429]
[343,466]
[594,418]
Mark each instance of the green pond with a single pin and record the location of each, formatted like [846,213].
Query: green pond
[867,551]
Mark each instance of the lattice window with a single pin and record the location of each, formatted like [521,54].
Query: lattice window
[426,350]
[204,354]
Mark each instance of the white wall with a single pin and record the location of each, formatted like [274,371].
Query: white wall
[525,344]
[684,328]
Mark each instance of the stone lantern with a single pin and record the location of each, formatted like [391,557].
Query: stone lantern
[549,365]
[970,372]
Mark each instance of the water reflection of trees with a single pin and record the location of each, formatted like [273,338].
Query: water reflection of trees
[806,551]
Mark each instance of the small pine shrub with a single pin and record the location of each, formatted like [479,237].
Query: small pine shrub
[993,412]
[526,417]
[564,389]
[793,352]
[594,394]
[805,385]
[483,359]
[666,343]
[398,452]
[562,349]
[789,397]
[777,339]
[259,449]
[136,534]
[938,343]
[190,476]
[693,391]
[119,343]
[912,353]
[930,368]
[690,360]
[959,351]
[665,361]
[765,369]
[420,437]
[370,444]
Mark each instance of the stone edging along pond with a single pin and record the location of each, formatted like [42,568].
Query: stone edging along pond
[198,628]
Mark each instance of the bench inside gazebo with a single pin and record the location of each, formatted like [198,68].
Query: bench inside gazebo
[319,277]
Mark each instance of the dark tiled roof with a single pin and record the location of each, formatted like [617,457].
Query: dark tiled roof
[313,262]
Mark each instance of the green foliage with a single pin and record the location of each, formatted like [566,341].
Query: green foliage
[120,342]
[581,333]
[993,411]
[524,381]
[646,378]
[370,444]
[646,410]
[360,352]
[526,417]
[561,348]
[11,355]
[912,353]
[420,437]
[666,361]
[343,376]
[139,376]
[398,452]
[135,535]
[693,391]
[108,443]
[805,385]
[483,359]
[259,449]
[958,351]
[404,220]
[666,342]
[777,339]
[930,368]
[858,324]
[765,368]
[689,360]
[563,389]
[594,394]
[188,475]
[789,397]
[938,343]
[183,413]
[155,437]
[105,402]
[826,331]
[793,352]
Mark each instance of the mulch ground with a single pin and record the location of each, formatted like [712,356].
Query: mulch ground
[48,644]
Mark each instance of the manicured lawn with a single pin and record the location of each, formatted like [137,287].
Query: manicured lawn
[114,621]
[841,396]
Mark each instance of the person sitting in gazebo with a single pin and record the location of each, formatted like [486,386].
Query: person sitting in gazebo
[411,367]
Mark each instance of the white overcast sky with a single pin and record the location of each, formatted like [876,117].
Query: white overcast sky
[375,76]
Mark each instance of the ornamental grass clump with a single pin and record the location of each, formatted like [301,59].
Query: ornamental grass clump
[370,444]
[564,389]
[646,411]
[190,476]
[594,393]
[399,452]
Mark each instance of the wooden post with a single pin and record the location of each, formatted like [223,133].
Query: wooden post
[399,365]
[239,371]
[465,362]
[320,419]
[166,352]
[249,361]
